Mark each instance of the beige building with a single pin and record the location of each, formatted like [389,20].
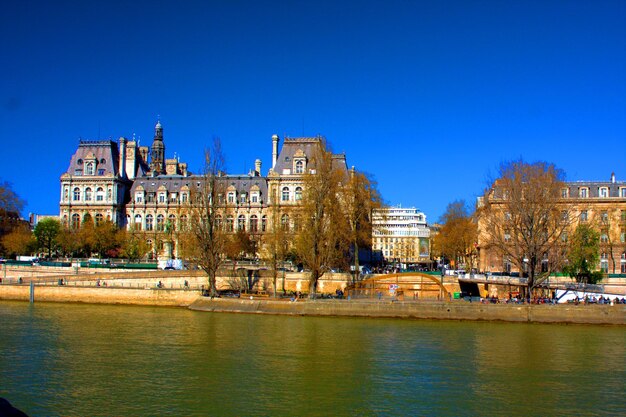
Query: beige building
[601,204]
[138,188]
[401,236]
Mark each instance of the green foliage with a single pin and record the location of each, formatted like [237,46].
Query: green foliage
[583,254]
[46,233]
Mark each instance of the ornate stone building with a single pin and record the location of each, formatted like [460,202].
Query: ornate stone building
[138,188]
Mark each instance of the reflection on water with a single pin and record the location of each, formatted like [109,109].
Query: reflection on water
[63,359]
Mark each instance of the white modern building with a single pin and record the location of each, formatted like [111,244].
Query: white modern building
[401,236]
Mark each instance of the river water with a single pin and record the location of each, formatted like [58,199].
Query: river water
[89,360]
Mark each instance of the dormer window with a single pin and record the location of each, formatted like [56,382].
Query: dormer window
[90,168]
[298,166]
[242,198]
[138,197]
[584,192]
[603,192]
[162,197]
[564,193]
[231,197]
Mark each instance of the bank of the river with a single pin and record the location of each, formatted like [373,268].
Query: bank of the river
[458,310]
[100,295]
[433,310]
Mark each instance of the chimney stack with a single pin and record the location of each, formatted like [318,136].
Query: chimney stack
[274,150]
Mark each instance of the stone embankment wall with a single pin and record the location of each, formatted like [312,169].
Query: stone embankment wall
[153,297]
[460,310]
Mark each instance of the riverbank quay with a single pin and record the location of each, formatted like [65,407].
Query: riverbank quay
[100,295]
[428,310]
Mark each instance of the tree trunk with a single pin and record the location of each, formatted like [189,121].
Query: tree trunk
[314,277]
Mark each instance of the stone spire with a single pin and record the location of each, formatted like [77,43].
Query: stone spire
[157,152]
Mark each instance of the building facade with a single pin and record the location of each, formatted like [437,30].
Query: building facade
[401,236]
[140,189]
[600,204]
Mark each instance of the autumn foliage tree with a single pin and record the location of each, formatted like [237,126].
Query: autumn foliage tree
[10,206]
[324,239]
[457,236]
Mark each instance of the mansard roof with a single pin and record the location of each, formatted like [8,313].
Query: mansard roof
[304,147]
[105,152]
[594,187]
[307,145]
[174,183]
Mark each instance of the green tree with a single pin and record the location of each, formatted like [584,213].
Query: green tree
[46,233]
[583,254]
[132,243]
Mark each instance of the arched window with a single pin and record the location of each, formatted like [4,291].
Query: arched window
[75,221]
[229,223]
[137,225]
[284,222]
[254,224]
[241,222]
[90,168]
[149,222]
[100,194]
[299,167]
[171,222]
[623,263]
[298,193]
[264,223]
[99,219]
[297,223]
[88,194]
[160,224]
[76,194]
[285,195]
[108,194]
[218,222]
[65,220]
[66,194]
[183,222]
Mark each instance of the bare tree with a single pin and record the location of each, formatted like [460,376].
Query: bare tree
[206,228]
[323,241]
[523,218]
[361,198]
[276,242]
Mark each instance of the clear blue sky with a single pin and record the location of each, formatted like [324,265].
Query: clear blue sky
[429,97]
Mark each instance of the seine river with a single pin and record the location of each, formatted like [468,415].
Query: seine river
[88,360]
